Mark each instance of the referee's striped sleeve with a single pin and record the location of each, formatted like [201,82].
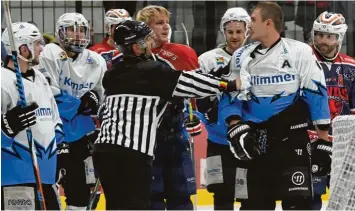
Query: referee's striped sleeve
[192,84]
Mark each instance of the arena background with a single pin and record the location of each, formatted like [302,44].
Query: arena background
[201,19]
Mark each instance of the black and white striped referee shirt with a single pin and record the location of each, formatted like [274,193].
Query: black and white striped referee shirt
[137,93]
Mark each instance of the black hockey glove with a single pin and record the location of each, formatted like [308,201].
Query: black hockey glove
[212,114]
[209,108]
[89,103]
[62,161]
[18,118]
[321,157]
[243,141]
[193,126]
[91,140]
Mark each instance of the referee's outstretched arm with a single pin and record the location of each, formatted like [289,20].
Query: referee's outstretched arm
[176,83]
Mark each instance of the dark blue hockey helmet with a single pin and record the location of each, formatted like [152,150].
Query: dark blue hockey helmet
[130,32]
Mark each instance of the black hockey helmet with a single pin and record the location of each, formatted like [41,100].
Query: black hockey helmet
[130,31]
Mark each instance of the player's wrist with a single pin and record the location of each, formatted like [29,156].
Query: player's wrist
[232,120]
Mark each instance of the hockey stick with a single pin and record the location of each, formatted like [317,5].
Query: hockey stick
[22,102]
[192,148]
[93,194]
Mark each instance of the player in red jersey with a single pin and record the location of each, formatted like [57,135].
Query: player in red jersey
[173,169]
[339,70]
[107,48]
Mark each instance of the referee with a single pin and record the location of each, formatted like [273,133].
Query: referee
[137,91]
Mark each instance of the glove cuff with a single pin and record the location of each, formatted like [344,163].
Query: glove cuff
[5,127]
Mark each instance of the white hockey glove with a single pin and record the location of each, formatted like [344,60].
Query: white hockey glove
[243,141]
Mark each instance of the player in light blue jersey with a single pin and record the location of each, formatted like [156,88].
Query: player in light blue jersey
[221,164]
[75,75]
[18,183]
[284,87]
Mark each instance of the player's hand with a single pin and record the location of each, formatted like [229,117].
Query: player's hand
[89,103]
[193,126]
[18,118]
[321,157]
[243,141]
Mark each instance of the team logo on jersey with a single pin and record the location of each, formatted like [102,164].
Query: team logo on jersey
[89,61]
[220,60]
[337,97]
[63,56]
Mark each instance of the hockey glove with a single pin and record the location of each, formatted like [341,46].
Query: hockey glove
[89,103]
[321,157]
[212,114]
[243,141]
[18,118]
[193,126]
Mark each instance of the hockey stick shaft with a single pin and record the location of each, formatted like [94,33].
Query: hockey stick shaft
[192,154]
[93,194]
[192,148]
[22,102]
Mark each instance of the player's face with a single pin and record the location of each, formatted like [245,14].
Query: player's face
[150,43]
[112,30]
[160,26]
[37,48]
[326,43]
[235,34]
[257,26]
[76,33]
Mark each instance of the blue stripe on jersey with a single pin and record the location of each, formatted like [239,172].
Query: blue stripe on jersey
[77,127]
[319,107]
[217,133]
[74,126]
[16,162]
[260,109]
[67,105]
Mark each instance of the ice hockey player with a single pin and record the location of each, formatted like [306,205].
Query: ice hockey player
[339,70]
[173,170]
[138,90]
[221,163]
[268,125]
[18,183]
[75,74]
[107,48]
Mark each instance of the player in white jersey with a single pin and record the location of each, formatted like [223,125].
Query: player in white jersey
[18,184]
[75,74]
[234,26]
[268,123]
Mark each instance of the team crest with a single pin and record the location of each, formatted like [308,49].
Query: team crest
[220,60]
[63,56]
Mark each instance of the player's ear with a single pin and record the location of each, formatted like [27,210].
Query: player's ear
[136,49]
[269,23]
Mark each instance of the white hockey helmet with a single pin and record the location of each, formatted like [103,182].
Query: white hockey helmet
[115,16]
[235,14]
[333,23]
[23,34]
[75,20]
